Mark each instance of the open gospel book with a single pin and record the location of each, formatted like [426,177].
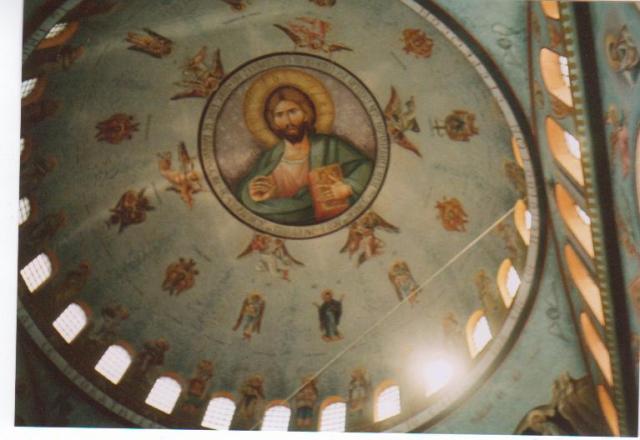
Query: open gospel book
[320,179]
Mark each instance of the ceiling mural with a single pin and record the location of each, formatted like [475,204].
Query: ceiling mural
[271,205]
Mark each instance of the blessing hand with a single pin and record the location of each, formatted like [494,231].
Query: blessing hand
[262,188]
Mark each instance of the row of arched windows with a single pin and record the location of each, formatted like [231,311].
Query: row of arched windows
[566,151]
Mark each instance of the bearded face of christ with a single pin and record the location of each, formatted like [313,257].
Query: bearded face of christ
[290,114]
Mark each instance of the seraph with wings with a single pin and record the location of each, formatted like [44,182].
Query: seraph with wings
[152,43]
[400,121]
[362,236]
[199,78]
[310,33]
[274,256]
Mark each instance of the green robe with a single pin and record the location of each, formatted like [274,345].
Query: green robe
[298,209]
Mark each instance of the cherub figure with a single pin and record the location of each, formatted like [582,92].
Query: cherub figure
[305,400]
[186,180]
[329,313]
[362,236]
[117,128]
[400,121]
[152,43]
[274,256]
[199,79]
[250,315]
[452,214]
[131,209]
[401,278]
[180,276]
[359,390]
[310,33]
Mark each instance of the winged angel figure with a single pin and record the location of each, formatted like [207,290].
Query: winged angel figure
[310,33]
[399,121]
[274,256]
[199,79]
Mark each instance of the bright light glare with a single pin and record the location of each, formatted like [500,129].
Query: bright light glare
[564,70]
[481,334]
[438,374]
[528,219]
[583,216]
[388,403]
[513,281]
[572,145]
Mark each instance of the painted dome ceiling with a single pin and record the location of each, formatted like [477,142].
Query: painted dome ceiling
[146,210]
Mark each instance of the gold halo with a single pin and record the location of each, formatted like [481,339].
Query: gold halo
[262,87]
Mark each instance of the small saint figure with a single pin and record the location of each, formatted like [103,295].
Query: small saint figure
[329,313]
[47,228]
[305,400]
[73,282]
[250,315]
[107,330]
[359,390]
[252,395]
[401,278]
[151,358]
[197,387]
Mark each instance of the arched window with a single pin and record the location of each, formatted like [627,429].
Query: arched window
[585,284]
[164,394]
[386,401]
[596,347]
[114,363]
[478,332]
[276,417]
[555,74]
[27,87]
[574,219]
[36,272]
[24,208]
[333,415]
[56,30]
[219,413]
[508,282]
[439,373]
[609,410]
[551,8]
[71,322]
[522,219]
[565,149]
[59,34]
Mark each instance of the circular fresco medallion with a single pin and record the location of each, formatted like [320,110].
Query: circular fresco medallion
[294,145]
